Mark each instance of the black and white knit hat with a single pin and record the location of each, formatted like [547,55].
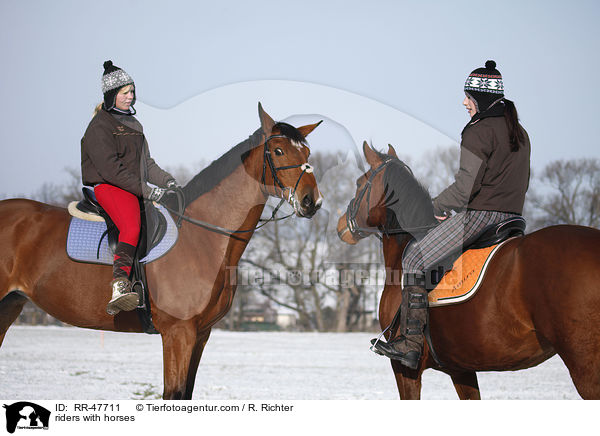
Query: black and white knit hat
[113,79]
[485,86]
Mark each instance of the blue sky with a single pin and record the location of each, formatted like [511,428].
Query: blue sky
[412,56]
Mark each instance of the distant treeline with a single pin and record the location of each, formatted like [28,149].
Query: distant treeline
[564,192]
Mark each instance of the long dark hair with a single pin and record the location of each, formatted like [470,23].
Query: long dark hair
[515,131]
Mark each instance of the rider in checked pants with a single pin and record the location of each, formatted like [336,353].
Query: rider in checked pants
[489,187]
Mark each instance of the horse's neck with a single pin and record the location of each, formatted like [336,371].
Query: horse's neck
[205,260]
[393,248]
[235,203]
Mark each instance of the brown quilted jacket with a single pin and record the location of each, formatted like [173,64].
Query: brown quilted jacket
[117,153]
[491,176]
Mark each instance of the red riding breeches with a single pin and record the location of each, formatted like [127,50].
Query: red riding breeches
[124,209]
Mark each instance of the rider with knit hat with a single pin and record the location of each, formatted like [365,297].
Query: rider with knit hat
[116,161]
[489,187]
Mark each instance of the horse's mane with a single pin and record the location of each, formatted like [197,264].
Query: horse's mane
[222,167]
[408,203]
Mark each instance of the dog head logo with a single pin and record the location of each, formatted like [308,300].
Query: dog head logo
[26,415]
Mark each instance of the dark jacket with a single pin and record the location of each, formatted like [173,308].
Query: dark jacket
[117,153]
[491,176]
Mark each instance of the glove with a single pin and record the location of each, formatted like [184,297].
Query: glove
[172,184]
[156,194]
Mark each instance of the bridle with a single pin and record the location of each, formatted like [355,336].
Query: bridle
[267,162]
[354,206]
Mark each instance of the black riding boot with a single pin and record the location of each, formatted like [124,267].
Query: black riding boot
[408,346]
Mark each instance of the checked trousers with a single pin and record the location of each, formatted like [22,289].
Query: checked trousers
[426,252]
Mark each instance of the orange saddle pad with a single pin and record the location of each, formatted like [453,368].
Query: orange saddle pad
[463,280]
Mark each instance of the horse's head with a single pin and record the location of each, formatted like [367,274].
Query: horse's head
[283,165]
[366,211]
[388,199]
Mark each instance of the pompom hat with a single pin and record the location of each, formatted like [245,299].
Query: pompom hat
[113,79]
[485,86]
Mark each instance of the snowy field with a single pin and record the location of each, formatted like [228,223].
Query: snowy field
[54,363]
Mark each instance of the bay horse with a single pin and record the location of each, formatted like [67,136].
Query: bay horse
[540,295]
[193,285]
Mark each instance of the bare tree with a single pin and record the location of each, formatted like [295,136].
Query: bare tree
[436,168]
[184,173]
[303,265]
[60,194]
[567,192]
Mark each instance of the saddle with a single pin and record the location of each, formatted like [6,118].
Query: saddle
[93,237]
[153,229]
[459,275]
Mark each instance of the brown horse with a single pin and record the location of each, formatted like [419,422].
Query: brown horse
[192,287]
[540,295]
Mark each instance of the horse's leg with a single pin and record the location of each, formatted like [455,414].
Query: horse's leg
[466,385]
[10,308]
[201,340]
[179,347]
[408,381]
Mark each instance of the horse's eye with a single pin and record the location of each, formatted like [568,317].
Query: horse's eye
[278,152]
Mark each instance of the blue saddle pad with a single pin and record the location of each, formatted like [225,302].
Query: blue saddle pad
[84,236]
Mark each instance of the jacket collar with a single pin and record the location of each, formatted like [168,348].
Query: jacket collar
[496,110]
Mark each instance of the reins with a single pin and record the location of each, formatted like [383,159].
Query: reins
[267,161]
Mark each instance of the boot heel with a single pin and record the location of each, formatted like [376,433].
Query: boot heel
[411,359]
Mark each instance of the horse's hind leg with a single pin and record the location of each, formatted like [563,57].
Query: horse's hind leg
[466,385]
[585,372]
[10,308]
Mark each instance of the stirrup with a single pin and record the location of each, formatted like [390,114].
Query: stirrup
[409,359]
[374,341]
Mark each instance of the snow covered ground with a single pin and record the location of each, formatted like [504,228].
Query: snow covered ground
[55,363]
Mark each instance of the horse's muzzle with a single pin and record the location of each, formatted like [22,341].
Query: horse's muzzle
[344,232]
[308,206]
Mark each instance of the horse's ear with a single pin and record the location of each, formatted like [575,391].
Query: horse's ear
[305,130]
[391,151]
[266,122]
[371,156]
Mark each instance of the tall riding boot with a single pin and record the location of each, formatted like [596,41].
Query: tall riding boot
[123,298]
[408,346]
